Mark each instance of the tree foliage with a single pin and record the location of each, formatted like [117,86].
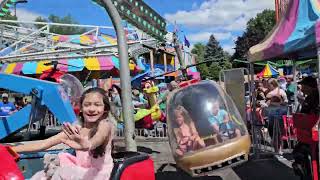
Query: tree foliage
[212,51]
[9,17]
[66,30]
[257,29]
[199,50]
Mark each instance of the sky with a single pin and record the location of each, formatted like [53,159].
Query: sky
[195,19]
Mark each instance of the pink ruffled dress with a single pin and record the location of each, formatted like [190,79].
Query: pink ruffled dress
[83,166]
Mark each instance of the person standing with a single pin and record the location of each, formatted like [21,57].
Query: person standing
[310,89]
[6,107]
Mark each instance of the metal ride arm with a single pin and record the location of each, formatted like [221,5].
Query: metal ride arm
[45,93]
[181,69]
[125,84]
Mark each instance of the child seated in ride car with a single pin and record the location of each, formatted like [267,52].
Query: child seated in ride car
[186,133]
[221,123]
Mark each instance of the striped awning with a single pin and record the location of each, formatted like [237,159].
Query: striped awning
[85,39]
[71,65]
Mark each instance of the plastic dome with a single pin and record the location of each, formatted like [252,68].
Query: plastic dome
[202,118]
[73,88]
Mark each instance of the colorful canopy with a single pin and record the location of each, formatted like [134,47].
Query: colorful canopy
[85,39]
[268,71]
[296,36]
[72,65]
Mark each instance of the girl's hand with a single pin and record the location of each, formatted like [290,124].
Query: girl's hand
[184,140]
[75,140]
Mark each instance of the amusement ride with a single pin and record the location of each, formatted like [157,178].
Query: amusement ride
[207,131]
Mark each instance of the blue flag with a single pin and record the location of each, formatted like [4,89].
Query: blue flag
[186,42]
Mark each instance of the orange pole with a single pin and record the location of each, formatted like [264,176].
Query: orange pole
[277,9]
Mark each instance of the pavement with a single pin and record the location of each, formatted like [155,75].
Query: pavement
[263,169]
[266,167]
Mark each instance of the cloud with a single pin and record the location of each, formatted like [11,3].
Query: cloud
[195,5]
[26,15]
[204,36]
[199,37]
[228,48]
[228,14]
[239,24]
[222,35]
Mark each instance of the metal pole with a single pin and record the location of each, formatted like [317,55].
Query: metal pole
[152,62]
[58,52]
[127,108]
[318,65]
[47,38]
[253,113]
[15,9]
[294,70]
[165,61]
[38,54]
[55,58]
[277,9]
[56,24]
[21,40]
[1,37]
[178,50]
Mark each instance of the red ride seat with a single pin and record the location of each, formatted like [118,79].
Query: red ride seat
[307,132]
[305,126]
[132,166]
[8,167]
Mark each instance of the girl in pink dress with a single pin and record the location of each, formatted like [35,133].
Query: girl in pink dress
[186,133]
[91,140]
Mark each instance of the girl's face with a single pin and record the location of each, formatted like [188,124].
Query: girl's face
[179,117]
[114,91]
[92,107]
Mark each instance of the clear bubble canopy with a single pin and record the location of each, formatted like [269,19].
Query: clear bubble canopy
[72,87]
[202,117]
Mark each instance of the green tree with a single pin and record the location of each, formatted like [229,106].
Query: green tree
[9,17]
[199,50]
[212,51]
[40,19]
[65,30]
[257,29]
[220,58]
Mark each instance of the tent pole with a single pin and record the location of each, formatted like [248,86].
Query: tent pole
[253,113]
[318,83]
[294,71]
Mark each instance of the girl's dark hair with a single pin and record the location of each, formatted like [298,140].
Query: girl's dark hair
[100,150]
[117,88]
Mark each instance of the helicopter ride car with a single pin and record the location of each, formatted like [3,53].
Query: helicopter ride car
[206,131]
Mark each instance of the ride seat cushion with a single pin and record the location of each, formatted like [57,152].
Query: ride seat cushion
[142,170]
[8,167]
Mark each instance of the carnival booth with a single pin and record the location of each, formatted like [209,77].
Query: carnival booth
[297,37]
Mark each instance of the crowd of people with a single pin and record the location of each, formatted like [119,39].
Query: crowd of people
[7,107]
[280,96]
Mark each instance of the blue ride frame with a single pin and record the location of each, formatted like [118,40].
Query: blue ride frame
[44,93]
